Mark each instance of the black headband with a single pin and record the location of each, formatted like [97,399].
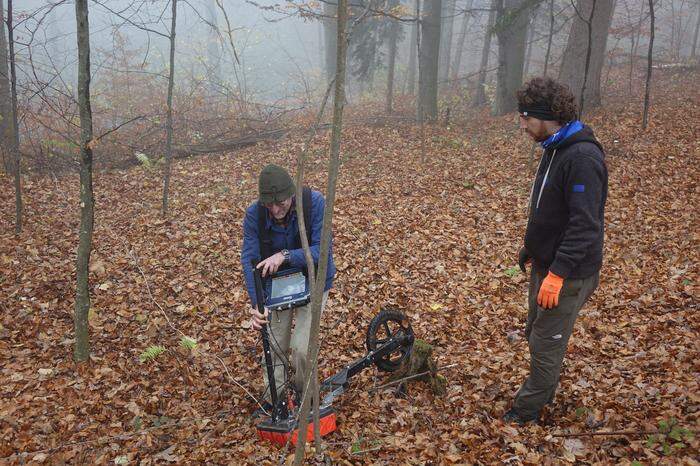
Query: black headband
[538,110]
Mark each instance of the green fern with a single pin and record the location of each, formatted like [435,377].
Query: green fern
[145,161]
[671,437]
[188,343]
[151,353]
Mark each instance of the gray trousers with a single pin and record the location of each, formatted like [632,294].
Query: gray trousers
[283,339]
[548,332]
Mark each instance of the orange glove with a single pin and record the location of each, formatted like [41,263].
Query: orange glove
[548,297]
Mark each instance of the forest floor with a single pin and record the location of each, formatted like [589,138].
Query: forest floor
[436,238]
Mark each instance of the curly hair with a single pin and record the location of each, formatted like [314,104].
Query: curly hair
[546,91]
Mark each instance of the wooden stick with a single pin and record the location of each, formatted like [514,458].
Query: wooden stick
[395,382]
[619,432]
[367,450]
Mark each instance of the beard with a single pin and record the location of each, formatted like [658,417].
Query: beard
[539,136]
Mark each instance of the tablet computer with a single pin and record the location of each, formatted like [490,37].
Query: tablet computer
[288,288]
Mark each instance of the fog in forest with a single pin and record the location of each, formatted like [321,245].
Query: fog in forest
[276,54]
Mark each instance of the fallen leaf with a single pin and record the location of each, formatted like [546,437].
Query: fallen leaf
[575,446]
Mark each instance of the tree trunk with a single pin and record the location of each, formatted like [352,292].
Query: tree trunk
[460,48]
[301,159]
[511,30]
[333,166]
[448,13]
[645,117]
[634,38]
[412,47]
[549,37]
[573,63]
[674,32]
[169,115]
[393,39]
[586,67]
[329,34]
[695,35]
[480,94]
[529,41]
[532,16]
[6,126]
[321,46]
[14,147]
[81,350]
[428,61]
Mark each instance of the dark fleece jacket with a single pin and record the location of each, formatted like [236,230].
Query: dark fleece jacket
[565,227]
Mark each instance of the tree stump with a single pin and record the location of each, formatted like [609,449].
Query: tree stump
[420,361]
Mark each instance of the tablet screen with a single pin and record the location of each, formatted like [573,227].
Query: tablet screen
[291,284]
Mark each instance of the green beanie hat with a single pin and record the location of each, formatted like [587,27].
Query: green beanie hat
[275,184]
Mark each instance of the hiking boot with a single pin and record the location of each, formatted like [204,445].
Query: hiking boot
[512,416]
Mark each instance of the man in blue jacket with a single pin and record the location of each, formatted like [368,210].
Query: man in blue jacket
[271,239]
[563,238]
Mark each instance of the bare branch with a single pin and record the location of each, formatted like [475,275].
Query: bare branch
[140,26]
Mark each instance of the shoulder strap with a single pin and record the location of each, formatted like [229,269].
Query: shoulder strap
[263,233]
[306,196]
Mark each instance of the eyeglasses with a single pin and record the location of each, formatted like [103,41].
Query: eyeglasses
[279,204]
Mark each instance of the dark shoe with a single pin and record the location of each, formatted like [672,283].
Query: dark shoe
[512,416]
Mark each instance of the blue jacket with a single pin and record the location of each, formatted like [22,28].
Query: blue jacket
[284,238]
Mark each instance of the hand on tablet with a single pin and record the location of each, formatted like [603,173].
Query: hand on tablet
[271,264]
[258,320]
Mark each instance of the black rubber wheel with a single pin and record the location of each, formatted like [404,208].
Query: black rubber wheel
[386,325]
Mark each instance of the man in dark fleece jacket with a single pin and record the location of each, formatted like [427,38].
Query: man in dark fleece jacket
[564,235]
